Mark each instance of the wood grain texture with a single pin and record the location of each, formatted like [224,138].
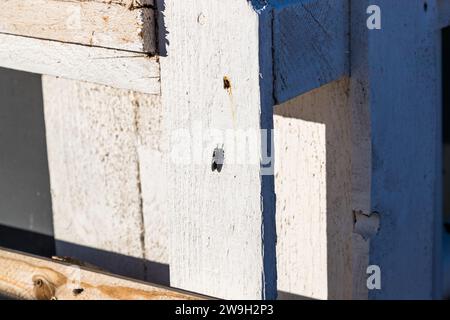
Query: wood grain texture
[221,224]
[93,23]
[313,187]
[153,153]
[115,68]
[310,45]
[94,142]
[32,278]
[400,91]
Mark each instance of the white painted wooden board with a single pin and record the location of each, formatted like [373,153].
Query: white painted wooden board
[108,24]
[115,68]
[217,243]
[153,155]
[94,144]
[314,193]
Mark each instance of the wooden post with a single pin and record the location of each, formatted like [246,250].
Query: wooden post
[395,84]
[216,78]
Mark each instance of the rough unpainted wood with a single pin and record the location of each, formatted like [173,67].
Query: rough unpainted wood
[32,278]
[94,146]
[93,23]
[313,187]
[115,68]
[217,243]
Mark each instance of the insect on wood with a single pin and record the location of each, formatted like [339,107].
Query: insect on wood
[218,159]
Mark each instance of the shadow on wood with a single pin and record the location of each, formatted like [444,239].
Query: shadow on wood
[313,186]
[35,243]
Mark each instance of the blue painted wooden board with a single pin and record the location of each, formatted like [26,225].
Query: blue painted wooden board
[444,13]
[310,40]
[310,43]
[396,74]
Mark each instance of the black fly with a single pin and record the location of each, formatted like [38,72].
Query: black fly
[218,159]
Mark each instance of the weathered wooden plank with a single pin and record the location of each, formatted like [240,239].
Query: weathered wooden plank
[32,278]
[310,45]
[313,188]
[217,88]
[154,154]
[95,138]
[115,68]
[93,23]
[399,93]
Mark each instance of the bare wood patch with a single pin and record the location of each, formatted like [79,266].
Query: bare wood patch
[32,278]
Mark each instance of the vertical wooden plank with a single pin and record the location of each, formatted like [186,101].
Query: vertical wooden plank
[222,233]
[93,139]
[313,187]
[361,143]
[153,156]
[396,80]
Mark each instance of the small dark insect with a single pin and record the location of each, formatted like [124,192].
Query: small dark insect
[218,159]
[77,291]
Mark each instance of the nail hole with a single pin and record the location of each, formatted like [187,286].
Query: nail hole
[226,83]
[78,291]
[201,19]
[425,6]
[218,159]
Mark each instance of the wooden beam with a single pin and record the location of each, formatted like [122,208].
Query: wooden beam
[216,88]
[115,68]
[93,23]
[32,278]
[311,45]
[396,100]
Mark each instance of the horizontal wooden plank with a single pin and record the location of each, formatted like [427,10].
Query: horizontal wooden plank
[32,278]
[121,69]
[310,45]
[94,23]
